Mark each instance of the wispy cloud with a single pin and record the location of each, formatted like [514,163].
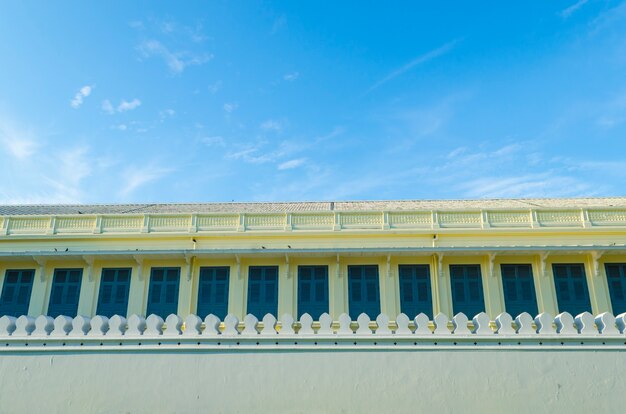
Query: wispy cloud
[292,76]
[230,107]
[215,86]
[123,106]
[134,177]
[176,61]
[128,105]
[78,99]
[419,60]
[271,125]
[19,142]
[213,141]
[74,165]
[567,12]
[279,23]
[287,165]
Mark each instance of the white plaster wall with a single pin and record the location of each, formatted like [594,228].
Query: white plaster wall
[345,381]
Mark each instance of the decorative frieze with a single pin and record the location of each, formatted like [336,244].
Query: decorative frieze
[607,217]
[265,221]
[509,218]
[321,221]
[121,224]
[75,224]
[29,225]
[410,220]
[559,218]
[361,220]
[312,221]
[460,219]
[170,223]
[217,222]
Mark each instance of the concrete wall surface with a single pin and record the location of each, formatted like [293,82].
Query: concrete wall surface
[482,380]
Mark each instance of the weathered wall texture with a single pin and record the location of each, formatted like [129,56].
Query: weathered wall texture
[293,381]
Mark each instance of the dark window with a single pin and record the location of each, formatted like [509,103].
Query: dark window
[571,288]
[363,291]
[213,291]
[519,289]
[263,290]
[616,278]
[163,292]
[312,290]
[65,292]
[467,290]
[415,292]
[113,296]
[16,290]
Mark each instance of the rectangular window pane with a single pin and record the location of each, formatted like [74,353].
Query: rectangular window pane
[467,290]
[163,291]
[263,290]
[312,291]
[114,291]
[363,291]
[571,288]
[65,292]
[16,290]
[519,289]
[616,278]
[415,292]
[213,291]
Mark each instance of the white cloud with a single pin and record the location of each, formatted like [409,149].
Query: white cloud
[215,86]
[167,113]
[123,106]
[290,77]
[573,8]
[176,61]
[82,93]
[230,107]
[136,177]
[271,125]
[108,107]
[291,164]
[421,59]
[120,127]
[213,141]
[20,143]
[73,166]
[128,105]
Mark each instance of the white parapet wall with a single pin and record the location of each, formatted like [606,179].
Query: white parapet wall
[137,365]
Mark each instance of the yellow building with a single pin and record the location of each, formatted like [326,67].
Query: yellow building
[253,298]
[404,256]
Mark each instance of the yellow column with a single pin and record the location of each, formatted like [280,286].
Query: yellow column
[137,293]
[287,275]
[598,288]
[338,286]
[544,286]
[38,305]
[185,289]
[88,295]
[492,288]
[237,290]
[389,281]
[444,294]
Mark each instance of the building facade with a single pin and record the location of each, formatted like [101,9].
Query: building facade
[540,275]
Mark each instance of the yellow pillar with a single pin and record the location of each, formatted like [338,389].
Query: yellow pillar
[544,285]
[237,290]
[287,275]
[87,301]
[492,288]
[38,305]
[185,289]
[598,287]
[137,293]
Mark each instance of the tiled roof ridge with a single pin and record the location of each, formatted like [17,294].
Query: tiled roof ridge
[311,206]
[408,200]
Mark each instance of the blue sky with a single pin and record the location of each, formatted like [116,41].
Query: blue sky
[113,102]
